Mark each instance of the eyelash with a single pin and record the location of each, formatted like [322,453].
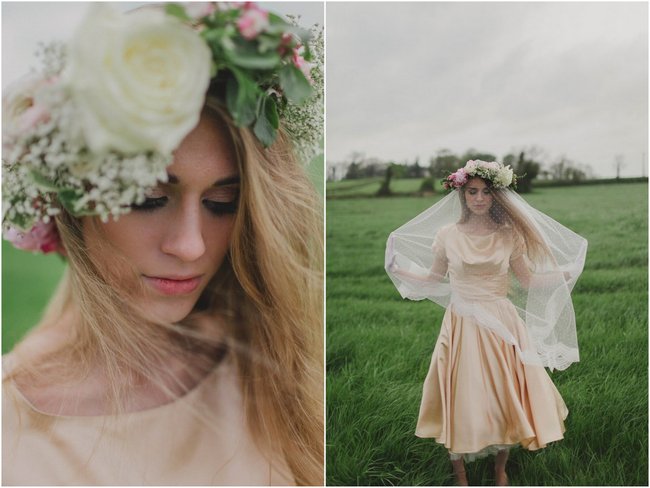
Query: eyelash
[471,192]
[217,208]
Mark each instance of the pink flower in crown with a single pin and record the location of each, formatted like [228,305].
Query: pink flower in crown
[493,165]
[471,166]
[285,43]
[459,178]
[253,21]
[198,10]
[21,109]
[42,237]
[300,63]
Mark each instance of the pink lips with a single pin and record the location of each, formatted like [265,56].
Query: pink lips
[173,286]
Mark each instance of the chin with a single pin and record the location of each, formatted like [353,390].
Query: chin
[170,310]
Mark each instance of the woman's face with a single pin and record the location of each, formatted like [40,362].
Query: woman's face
[177,239]
[478,196]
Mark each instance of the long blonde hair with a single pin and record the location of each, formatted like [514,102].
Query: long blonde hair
[268,296]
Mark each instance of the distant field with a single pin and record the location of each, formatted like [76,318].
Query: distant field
[379,347]
[369,186]
[28,281]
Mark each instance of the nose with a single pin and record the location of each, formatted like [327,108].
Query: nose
[184,237]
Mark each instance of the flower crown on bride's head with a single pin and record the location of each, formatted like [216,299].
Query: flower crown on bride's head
[498,175]
[98,126]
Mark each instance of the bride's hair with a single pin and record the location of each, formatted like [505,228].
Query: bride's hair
[267,297]
[504,213]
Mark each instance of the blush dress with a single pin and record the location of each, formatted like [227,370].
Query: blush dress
[478,396]
[165,445]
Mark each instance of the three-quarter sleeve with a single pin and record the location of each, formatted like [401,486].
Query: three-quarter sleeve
[438,247]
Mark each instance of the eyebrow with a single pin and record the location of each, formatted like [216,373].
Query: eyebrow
[228,180]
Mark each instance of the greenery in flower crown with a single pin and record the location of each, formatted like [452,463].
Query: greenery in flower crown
[71,139]
[261,71]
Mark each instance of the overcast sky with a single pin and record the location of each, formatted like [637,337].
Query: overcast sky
[24,24]
[408,79]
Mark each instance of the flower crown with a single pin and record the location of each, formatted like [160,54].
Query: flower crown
[497,174]
[96,128]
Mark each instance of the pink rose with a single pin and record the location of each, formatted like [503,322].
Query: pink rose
[42,237]
[300,63]
[34,115]
[253,21]
[459,178]
[198,10]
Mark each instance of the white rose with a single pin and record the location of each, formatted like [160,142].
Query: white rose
[493,165]
[138,80]
[504,177]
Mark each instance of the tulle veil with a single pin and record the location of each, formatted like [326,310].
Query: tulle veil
[544,305]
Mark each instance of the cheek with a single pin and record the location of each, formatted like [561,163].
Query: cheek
[218,237]
[115,249]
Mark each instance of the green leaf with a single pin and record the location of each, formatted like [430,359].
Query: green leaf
[178,11]
[68,197]
[267,121]
[294,84]
[241,98]
[268,43]
[246,55]
[271,111]
[42,182]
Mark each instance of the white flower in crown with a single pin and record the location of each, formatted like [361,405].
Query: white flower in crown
[504,176]
[138,81]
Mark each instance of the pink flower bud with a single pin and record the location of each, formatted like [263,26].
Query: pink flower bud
[300,63]
[252,21]
[42,237]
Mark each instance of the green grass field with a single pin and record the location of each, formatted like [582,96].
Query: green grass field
[379,347]
[28,281]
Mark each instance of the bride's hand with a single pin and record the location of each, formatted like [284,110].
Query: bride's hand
[392,266]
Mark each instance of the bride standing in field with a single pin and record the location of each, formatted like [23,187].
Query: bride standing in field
[504,272]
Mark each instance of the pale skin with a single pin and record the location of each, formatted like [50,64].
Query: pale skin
[182,231]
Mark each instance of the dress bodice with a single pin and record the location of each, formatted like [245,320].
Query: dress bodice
[478,264]
[165,445]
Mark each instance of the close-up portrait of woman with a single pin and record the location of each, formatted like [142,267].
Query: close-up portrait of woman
[161,155]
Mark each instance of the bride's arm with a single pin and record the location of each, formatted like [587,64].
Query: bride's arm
[436,273]
[521,271]
[524,276]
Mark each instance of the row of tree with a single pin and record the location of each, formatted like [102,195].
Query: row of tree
[525,164]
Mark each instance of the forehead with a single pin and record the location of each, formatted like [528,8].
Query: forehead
[206,154]
[477,183]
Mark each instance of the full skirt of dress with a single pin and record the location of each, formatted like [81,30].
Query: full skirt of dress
[479,396]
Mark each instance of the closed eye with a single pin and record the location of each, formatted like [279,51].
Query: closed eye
[150,204]
[221,208]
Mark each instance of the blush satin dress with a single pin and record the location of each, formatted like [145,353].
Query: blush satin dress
[478,396]
[165,445]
